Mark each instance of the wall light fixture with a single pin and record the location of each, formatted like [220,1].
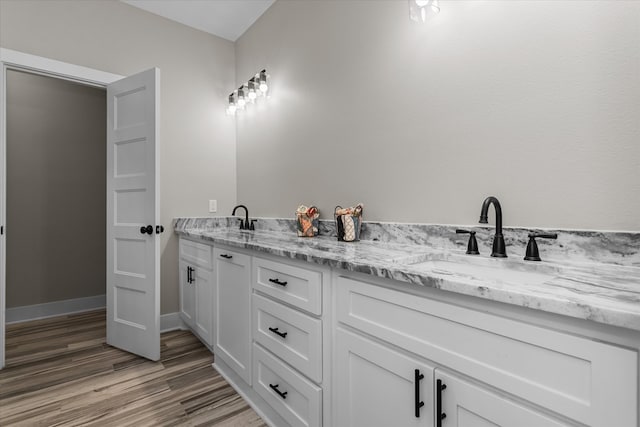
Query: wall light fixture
[421,10]
[257,86]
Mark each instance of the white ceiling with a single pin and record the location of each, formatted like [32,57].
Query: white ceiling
[228,19]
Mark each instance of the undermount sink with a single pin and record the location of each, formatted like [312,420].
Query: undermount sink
[484,268]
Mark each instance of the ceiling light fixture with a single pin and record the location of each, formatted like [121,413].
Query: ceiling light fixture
[421,10]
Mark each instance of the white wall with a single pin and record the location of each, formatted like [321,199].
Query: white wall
[197,146]
[536,102]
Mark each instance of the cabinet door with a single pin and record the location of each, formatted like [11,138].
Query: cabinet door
[376,385]
[232,311]
[187,294]
[203,285]
[467,405]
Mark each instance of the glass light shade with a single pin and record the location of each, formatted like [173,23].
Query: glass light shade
[252,91]
[421,10]
[263,81]
[241,102]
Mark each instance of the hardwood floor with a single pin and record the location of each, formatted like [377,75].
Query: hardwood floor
[60,372]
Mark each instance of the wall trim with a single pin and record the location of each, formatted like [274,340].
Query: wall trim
[55,308]
[171,322]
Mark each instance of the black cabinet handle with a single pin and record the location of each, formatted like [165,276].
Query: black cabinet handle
[146,230]
[278,282]
[439,414]
[417,376]
[226,256]
[159,229]
[280,393]
[277,332]
[188,274]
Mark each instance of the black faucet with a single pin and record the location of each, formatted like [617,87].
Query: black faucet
[498,249]
[244,225]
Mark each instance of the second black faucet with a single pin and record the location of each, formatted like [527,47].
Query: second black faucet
[498,249]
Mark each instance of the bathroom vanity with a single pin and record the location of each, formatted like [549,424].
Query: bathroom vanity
[315,332]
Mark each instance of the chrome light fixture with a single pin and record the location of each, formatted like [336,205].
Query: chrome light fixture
[421,10]
[248,93]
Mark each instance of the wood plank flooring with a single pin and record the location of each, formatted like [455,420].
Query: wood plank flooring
[60,372]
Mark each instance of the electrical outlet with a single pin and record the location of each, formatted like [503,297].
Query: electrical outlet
[213,206]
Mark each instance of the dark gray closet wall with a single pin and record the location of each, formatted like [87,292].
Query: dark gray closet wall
[56,195]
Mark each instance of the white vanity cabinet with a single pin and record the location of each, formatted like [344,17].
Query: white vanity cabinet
[464,404]
[549,371]
[288,339]
[311,346]
[232,310]
[378,386]
[196,287]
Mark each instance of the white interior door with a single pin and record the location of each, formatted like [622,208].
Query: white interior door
[133,245]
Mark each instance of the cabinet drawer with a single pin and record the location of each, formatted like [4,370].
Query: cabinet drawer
[297,286]
[301,347]
[589,381]
[195,253]
[302,403]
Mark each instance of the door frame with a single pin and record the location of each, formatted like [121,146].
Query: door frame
[15,60]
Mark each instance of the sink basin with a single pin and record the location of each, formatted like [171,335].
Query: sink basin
[484,268]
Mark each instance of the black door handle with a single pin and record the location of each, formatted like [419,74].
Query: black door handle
[226,256]
[278,282]
[417,376]
[277,332]
[280,393]
[188,274]
[159,229]
[146,230]
[439,414]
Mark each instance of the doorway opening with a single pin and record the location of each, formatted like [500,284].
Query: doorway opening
[56,202]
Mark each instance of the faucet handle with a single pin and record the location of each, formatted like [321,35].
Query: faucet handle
[251,226]
[532,253]
[242,226]
[472,246]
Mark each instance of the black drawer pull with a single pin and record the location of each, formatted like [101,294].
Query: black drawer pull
[439,414]
[226,256]
[278,282]
[277,332]
[280,393]
[417,402]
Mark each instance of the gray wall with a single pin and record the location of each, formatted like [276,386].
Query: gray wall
[197,148]
[56,190]
[536,102]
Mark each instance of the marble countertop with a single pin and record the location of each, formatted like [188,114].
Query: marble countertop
[603,293]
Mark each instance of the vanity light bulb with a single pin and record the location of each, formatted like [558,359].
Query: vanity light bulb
[252,95]
[263,82]
[231,110]
[241,102]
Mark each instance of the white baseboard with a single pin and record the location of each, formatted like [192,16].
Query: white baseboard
[56,308]
[171,322]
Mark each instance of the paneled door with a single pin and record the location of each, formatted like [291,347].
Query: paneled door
[133,245]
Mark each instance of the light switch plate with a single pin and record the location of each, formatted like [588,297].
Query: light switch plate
[213,206]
